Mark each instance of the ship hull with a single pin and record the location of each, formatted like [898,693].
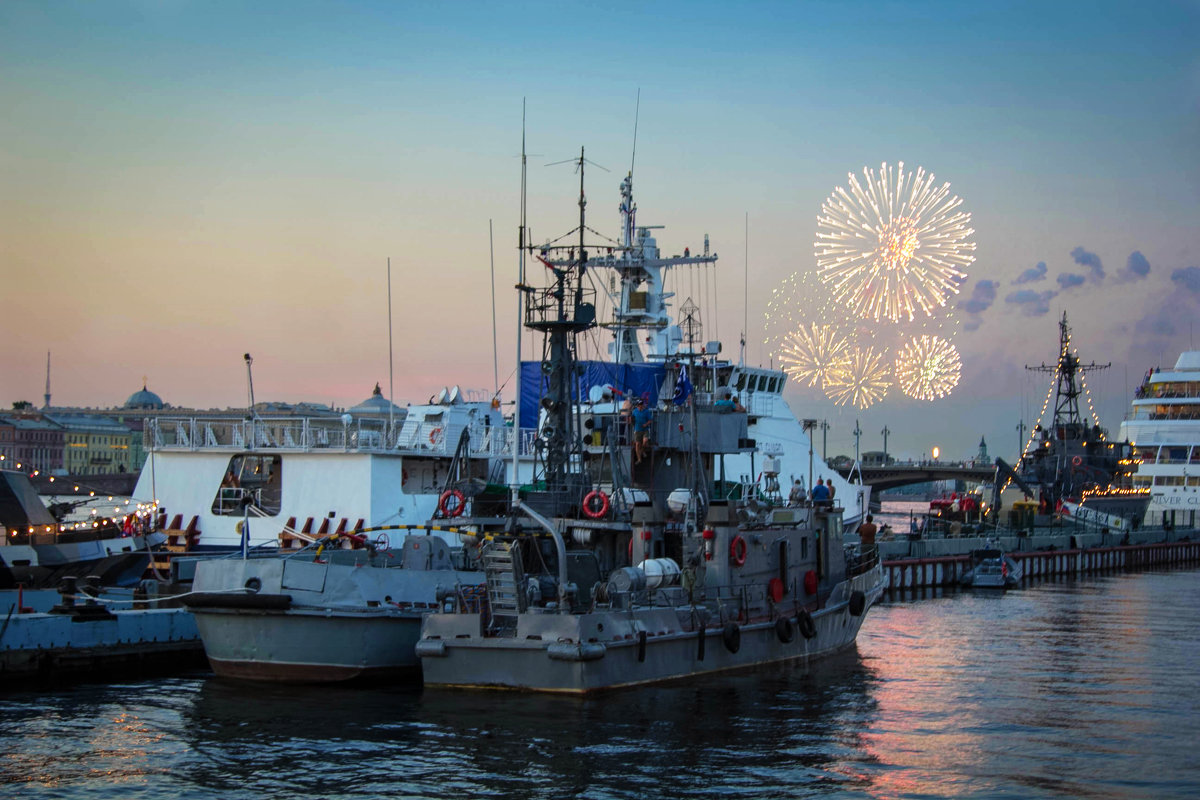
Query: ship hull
[308,646]
[576,663]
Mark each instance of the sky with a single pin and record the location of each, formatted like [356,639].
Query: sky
[185,182]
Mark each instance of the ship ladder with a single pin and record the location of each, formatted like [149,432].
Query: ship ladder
[505,585]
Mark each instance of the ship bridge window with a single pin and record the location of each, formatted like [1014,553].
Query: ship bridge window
[1174,455]
[250,480]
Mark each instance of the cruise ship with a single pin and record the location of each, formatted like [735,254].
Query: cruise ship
[1164,426]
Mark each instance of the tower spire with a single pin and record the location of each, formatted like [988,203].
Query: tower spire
[46,397]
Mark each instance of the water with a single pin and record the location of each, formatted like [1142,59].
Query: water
[1082,689]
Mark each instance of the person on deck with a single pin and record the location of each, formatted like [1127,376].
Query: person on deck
[866,533]
[820,494]
[832,491]
[643,418]
[798,494]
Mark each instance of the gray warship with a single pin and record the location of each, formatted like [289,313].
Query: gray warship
[1069,467]
[611,571]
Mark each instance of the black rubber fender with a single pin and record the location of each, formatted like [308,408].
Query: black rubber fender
[732,636]
[805,624]
[785,629]
[858,603]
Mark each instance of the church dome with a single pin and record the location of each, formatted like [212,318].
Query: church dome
[377,405]
[144,398]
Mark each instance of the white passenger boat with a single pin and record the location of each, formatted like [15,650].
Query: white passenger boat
[292,480]
[1164,425]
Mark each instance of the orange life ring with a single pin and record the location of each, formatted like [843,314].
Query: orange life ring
[454,509]
[435,435]
[589,504]
[1076,460]
[737,551]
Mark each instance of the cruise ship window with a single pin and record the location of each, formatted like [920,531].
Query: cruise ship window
[1176,455]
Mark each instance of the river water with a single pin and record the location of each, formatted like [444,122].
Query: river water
[1084,688]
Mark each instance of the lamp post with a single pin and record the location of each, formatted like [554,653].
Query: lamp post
[857,435]
[885,433]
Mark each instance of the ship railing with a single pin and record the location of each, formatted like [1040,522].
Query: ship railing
[760,404]
[319,433]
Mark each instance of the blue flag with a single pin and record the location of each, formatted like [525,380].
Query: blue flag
[683,387]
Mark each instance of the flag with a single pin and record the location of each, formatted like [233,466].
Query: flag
[683,387]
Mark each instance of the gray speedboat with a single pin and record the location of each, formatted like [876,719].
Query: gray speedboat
[322,614]
[992,568]
[612,570]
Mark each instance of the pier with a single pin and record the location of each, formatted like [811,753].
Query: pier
[938,571]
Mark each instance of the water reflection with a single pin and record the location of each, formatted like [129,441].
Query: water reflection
[1068,688]
[790,725]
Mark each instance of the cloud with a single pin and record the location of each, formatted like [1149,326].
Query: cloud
[1091,261]
[981,299]
[1068,280]
[1031,303]
[1136,268]
[1032,274]
[1188,277]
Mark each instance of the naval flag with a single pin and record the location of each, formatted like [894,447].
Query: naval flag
[683,387]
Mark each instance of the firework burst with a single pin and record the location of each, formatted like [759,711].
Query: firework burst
[927,367]
[811,351]
[859,378]
[895,246]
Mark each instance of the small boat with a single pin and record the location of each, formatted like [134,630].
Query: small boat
[324,614]
[992,568]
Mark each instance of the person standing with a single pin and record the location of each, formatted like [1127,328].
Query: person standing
[866,533]
[832,491]
[820,493]
[643,418]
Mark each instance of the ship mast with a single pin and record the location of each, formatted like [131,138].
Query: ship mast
[1068,423]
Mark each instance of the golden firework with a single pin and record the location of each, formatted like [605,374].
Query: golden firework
[928,367]
[859,378]
[895,246]
[810,351]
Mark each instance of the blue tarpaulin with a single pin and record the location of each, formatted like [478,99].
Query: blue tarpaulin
[638,379]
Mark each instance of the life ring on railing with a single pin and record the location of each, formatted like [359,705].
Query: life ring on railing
[737,551]
[452,503]
[590,507]
[1076,460]
[435,436]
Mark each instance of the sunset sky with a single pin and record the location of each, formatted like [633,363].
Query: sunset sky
[183,182]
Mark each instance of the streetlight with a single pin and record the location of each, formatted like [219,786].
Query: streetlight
[936,452]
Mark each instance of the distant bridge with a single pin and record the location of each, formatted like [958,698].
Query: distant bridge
[895,475]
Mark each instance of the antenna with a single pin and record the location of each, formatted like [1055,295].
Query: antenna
[495,346]
[636,112]
[47,396]
[516,442]
[391,362]
[746,294]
